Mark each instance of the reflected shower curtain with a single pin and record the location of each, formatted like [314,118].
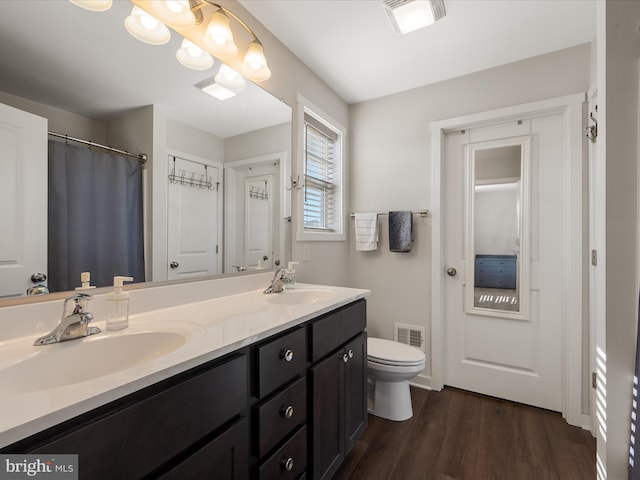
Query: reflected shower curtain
[634,448]
[95,217]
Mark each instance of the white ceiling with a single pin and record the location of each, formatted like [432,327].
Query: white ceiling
[351,46]
[56,53]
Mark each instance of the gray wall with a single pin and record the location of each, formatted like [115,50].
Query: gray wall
[390,161]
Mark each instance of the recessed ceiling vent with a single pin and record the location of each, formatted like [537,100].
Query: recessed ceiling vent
[409,15]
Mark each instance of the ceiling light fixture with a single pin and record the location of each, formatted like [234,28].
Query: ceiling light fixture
[149,19]
[409,15]
[228,78]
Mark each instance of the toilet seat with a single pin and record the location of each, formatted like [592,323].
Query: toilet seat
[387,352]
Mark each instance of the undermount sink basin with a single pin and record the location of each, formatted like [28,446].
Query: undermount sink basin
[75,361]
[301,296]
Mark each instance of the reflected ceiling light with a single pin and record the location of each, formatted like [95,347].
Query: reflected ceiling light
[210,87]
[146,28]
[174,12]
[192,56]
[228,78]
[94,5]
[409,15]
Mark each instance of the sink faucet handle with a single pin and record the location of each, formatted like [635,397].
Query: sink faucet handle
[79,300]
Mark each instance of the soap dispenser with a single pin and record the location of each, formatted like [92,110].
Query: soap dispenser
[85,279]
[119,305]
[290,283]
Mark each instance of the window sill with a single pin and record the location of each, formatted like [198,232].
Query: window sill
[307,236]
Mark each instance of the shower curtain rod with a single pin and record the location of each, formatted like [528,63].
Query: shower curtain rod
[142,158]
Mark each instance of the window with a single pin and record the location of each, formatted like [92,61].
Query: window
[322,166]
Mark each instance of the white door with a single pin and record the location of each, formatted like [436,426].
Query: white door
[193,216]
[23,196]
[258,229]
[516,356]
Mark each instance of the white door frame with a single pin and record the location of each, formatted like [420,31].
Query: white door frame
[284,208]
[571,107]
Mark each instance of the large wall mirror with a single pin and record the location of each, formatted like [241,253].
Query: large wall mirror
[497,229]
[83,72]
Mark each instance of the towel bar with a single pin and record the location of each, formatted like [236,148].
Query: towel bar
[422,213]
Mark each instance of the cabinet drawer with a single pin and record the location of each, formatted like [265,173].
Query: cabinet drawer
[289,462]
[331,331]
[280,415]
[226,457]
[131,442]
[281,360]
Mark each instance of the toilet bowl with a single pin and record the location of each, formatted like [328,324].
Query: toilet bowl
[390,367]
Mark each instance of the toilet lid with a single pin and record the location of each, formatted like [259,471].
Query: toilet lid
[393,353]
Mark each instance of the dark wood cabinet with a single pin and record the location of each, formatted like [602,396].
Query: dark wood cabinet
[288,407]
[338,387]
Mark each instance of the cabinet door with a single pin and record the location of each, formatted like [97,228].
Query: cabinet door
[355,390]
[327,416]
[226,457]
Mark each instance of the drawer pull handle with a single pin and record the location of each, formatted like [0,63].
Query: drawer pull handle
[287,463]
[287,355]
[350,353]
[345,357]
[287,412]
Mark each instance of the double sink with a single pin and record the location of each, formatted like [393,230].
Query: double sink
[42,380]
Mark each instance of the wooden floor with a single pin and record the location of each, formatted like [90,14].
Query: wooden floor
[458,435]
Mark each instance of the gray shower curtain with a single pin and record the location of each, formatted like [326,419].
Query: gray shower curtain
[95,217]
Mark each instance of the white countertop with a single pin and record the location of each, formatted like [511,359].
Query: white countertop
[208,329]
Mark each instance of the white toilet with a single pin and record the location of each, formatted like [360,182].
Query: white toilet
[390,367]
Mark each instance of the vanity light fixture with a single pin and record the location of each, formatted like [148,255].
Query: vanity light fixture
[146,28]
[228,78]
[192,56]
[409,15]
[149,19]
[94,5]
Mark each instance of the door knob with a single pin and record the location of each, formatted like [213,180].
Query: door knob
[451,272]
[174,264]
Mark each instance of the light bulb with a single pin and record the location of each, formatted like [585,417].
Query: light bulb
[218,38]
[228,78]
[174,12]
[192,56]
[146,28]
[93,5]
[254,65]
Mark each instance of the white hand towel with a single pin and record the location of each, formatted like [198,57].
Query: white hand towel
[366,231]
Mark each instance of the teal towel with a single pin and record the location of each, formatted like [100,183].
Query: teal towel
[400,234]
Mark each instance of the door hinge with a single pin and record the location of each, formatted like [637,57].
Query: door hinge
[594,257]
[594,380]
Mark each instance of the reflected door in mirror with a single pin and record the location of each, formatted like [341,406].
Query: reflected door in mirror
[23,196]
[193,219]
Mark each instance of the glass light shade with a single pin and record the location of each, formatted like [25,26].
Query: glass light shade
[146,28]
[174,12]
[94,5]
[218,38]
[254,65]
[228,78]
[192,56]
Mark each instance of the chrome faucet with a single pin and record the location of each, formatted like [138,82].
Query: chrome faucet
[277,283]
[74,323]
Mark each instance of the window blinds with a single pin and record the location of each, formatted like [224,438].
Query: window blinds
[321,176]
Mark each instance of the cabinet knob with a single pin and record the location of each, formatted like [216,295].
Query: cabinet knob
[287,463]
[287,355]
[345,357]
[350,353]
[287,412]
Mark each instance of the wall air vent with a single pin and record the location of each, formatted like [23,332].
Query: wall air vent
[409,335]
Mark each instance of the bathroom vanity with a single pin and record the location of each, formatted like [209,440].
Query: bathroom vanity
[283,402]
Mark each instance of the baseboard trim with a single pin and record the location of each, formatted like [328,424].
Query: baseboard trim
[421,381]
